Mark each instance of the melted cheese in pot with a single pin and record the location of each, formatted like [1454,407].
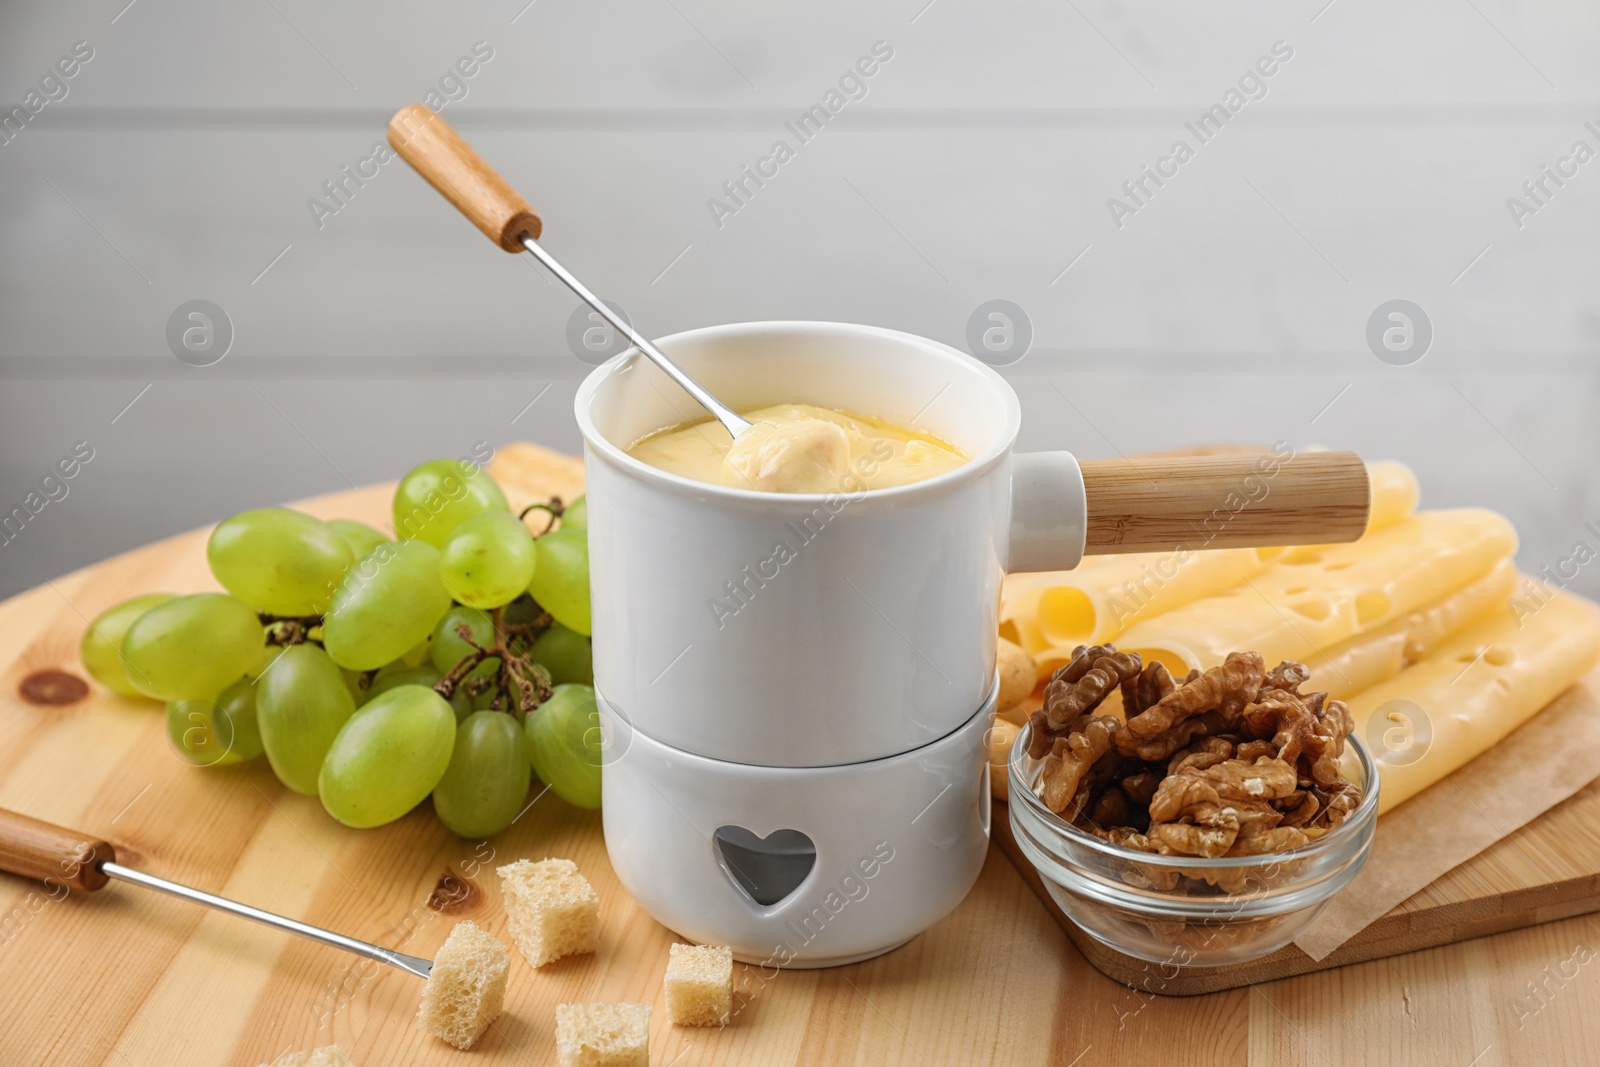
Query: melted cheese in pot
[800,448]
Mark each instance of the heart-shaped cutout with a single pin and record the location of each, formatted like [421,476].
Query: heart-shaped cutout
[767,869]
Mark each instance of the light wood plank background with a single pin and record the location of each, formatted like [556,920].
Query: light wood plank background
[127,978]
[180,163]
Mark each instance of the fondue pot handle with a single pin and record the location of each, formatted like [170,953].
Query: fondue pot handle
[1063,508]
[438,153]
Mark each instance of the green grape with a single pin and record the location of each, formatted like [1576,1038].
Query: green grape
[200,736]
[398,674]
[278,561]
[386,606]
[488,560]
[435,498]
[388,757]
[561,577]
[576,515]
[426,675]
[191,647]
[352,682]
[358,536]
[566,654]
[101,648]
[301,704]
[486,783]
[217,733]
[521,610]
[264,659]
[564,744]
[448,648]
[237,707]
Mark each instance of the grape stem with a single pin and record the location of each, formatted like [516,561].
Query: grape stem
[289,630]
[519,681]
[554,507]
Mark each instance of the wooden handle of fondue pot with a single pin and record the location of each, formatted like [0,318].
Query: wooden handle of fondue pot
[1224,501]
[37,849]
[437,152]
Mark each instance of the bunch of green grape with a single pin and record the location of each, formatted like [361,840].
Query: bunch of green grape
[453,660]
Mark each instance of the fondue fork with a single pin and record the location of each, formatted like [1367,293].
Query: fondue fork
[37,849]
[451,166]
[1156,503]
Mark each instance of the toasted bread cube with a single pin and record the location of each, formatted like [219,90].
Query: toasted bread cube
[700,985]
[466,988]
[326,1056]
[554,911]
[602,1035]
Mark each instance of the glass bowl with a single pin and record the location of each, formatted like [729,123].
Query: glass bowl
[1187,911]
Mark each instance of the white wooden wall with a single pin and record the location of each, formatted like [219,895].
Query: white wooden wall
[1233,305]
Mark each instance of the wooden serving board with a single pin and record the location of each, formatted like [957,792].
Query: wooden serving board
[129,978]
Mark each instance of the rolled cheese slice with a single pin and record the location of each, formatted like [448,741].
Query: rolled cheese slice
[1378,655]
[1395,494]
[1092,606]
[1050,614]
[1297,610]
[1019,602]
[1436,716]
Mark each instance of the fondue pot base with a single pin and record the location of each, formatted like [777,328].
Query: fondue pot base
[797,866]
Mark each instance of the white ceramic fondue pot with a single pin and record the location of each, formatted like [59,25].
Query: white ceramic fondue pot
[794,689]
[807,630]
[789,682]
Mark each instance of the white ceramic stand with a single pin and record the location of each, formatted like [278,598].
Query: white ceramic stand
[898,842]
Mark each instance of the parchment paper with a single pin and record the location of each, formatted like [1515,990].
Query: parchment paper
[1542,763]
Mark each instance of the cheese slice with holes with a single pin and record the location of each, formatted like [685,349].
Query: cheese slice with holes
[1051,614]
[1019,602]
[1092,606]
[1395,494]
[1295,610]
[1439,714]
[1378,655]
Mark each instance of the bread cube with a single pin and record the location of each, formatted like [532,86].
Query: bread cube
[700,985]
[326,1056]
[466,988]
[602,1035]
[553,909]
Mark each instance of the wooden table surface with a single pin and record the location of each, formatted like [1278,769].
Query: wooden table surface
[128,977]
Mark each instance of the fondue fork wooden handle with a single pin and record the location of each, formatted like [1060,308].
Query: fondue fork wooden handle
[1224,501]
[449,164]
[56,856]
[437,152]
[37,849]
